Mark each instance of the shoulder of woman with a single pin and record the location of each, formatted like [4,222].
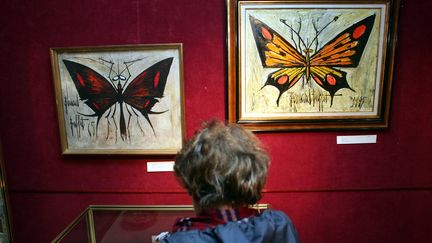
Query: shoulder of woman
[276,215]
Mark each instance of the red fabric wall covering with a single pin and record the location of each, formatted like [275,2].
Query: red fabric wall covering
[368,216]
[352,193]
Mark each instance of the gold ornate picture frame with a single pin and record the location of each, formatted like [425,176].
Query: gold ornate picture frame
[120,99]
[307,65]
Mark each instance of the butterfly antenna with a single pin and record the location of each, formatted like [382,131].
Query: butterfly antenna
[106,63]
[132,62]
[314,24]
[89,59]
[298,31]
[319,32]
[110,65]
[284,21]
[128,64]
[295,43]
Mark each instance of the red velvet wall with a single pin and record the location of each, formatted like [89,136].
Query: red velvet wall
[334,193]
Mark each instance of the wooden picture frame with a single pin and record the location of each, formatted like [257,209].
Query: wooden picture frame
[120,99]
[310,65]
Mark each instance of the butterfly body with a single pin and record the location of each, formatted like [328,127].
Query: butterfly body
[100,94]
[321,66]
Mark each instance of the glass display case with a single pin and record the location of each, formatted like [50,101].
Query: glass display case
[126,224]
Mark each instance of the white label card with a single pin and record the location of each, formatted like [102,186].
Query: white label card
[359,139]
[160,166]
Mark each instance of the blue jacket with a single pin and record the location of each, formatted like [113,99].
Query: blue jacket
[270,226]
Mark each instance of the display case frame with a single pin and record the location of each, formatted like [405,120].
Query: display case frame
[128,219]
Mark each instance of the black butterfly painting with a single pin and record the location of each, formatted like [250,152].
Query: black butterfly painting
[137,97]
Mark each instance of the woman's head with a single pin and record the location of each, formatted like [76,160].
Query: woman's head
[222,165]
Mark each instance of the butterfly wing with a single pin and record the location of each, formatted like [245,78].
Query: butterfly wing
[276,52]
[92,87]
[330,79]
[284,79]
[143,91]
[344,50]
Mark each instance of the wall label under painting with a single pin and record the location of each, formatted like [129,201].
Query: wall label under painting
[121,99]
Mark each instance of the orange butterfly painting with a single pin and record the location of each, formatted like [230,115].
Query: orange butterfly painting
[308,61]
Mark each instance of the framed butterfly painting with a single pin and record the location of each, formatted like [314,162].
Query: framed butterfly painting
[308,65]
[119,99]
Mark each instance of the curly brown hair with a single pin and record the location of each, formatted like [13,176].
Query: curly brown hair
[222,165]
